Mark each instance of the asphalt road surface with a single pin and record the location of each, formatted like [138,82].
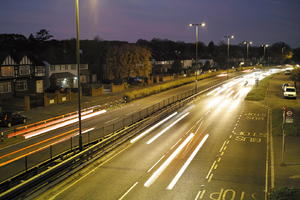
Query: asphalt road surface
[214,148]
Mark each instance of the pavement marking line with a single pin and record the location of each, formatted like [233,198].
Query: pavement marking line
[199,126]
[210,177]
[166,129]
[152,128]
[216,166]
[198,194]
[222,146]
[202,194]
[38,143]
[219,159]
[222,153]
[211,168]
[225,147]
[230,136]
[88,173]
[128,191]
[156,163]
[111,120]
[187,163]
[158,172]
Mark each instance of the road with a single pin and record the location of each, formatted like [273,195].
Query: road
[214,148]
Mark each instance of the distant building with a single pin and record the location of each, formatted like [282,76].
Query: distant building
[20,75]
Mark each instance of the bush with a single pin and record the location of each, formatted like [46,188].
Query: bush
[258,93]
[285,194]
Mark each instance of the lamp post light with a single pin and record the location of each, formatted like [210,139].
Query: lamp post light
[265,46]
[247,43]
[78,72]
[203,24]
[228,37]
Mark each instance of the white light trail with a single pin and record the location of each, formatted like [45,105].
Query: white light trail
[65,123]
[213,91]
[152,128]
[187,163]
[167,128]
[158,172]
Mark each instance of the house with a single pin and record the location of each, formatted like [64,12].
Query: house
[20,75]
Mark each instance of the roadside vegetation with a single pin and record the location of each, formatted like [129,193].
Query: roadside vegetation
[270,90]
[285,194]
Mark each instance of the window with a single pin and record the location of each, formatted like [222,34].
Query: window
[5,87]
[24,70]
[52,68]
[39,71]
[7,71]
[21,85]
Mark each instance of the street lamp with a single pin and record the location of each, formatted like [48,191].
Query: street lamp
[228,37]
[196,59]
[265,46]
[78,72]
[247,43]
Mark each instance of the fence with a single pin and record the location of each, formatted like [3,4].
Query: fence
[51,152]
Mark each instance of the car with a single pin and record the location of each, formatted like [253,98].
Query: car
[287,72]
[284,85]
[289,92]
[8,119]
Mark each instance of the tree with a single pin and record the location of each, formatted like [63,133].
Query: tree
[295,76]
[43,35]
[127,61]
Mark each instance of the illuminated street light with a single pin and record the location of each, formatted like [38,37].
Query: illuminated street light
[248,43]
[203,24]
[265,46]
[228,37]
[78,72]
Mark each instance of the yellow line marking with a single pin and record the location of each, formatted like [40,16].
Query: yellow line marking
[210,177]
[211,168]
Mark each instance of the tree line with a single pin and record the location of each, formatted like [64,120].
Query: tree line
[113,60]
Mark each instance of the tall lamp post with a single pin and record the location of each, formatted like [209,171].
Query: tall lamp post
[78,72]
[265,46]
[228,37]
[196,59]
[247,43]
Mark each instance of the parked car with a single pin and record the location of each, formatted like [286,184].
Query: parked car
[8,119]
[284,85]
[287,72]
[289,92]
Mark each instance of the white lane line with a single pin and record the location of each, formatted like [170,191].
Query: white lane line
[152,128]
[198,194]
[210,177]
[227,142]
[211,168]
[128,191]
[111,120]
[222,146]
[85,175]
[167,128]
[155,163]
[187,163]
[202,194]
[158,172]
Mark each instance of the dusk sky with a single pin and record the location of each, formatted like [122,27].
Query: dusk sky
[260,21]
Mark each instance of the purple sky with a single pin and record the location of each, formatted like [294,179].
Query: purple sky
[261,21]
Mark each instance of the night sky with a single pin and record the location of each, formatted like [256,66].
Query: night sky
[260,21]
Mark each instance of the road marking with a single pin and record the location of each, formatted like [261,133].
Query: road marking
[158,172]
[222,146]
[128,191]
[227,142]
[211,168]
[222,153]
[210,177]
[198,194]
[155,164]
[187,163]
[88,173]
[219,159]
[216,166]
[202,194]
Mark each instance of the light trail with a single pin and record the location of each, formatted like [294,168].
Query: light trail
[152,128]
[38,132]
[158,172]
[167,128]
[187,163]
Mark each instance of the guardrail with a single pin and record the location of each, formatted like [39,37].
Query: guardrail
[105,138]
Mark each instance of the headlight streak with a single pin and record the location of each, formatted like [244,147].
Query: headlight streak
[186,164]
[38,132]
[158,172]
[167,128]
[229,94]
[213,91]
[152,128]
